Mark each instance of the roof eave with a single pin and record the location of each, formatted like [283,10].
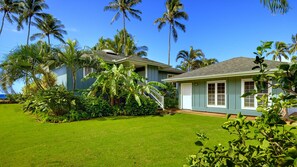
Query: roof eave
[236,74]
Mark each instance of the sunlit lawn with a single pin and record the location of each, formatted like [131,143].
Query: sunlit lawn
[118,141]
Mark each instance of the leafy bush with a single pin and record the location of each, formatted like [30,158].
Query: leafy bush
[148,107]
[171,102]
[57,104]
[15,98]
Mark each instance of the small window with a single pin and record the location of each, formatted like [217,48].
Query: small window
[212,94]
[87,70]
[216,94]
[250,102]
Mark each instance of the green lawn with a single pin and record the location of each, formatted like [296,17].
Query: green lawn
[119,141]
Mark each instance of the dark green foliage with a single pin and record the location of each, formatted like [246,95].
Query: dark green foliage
[148,107]
[57,104]
[171,102]
[170,95]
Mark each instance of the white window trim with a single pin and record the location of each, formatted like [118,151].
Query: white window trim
[84,71]
[216,94]
[255,98]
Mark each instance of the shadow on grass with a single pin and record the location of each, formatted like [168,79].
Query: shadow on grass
[131,117]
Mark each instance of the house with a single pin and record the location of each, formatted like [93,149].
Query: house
[218,87]
[150,69]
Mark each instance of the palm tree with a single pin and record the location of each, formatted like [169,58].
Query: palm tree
[281,50]
[276,6]
[293,46]
[205,62]
[189,58]
[9,8]
[27,62]
[174,12]
[116,45]
[31,9]
[49,26]
[71,57]
[124,7]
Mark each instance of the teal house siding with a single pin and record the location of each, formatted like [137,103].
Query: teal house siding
[162,75]
[233,96]
[152,73]
[79,83]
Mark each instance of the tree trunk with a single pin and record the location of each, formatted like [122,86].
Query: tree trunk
[73,79]
[124,46]
[112,100]
[48,40]
[2,24]
[29,29]
[169,44]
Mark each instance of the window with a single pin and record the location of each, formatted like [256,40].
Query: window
[250,102]
[216,94]
[87,70]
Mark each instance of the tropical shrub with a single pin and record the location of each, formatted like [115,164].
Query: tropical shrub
[170,95]
[121,86]
[57,104]
[170,102]
[267,141]
[148,107]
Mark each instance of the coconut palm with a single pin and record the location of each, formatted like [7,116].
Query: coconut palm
[124,7]
[281,50]
[9,8]
[31,9]
[71,57]
[206,62]
[174,12]
[117,46]
[276,6]
[189,58]
[293,46]
[48,25]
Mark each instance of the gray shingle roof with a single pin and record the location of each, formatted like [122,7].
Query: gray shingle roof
[120,59]
[232,66]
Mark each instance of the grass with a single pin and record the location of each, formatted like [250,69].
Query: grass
[118,141]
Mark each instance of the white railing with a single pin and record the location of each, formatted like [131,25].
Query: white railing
[158,98]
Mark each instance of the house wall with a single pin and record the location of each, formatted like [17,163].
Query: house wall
[152,73]
[162,75]
[233,96]
[61,74]
[79,83]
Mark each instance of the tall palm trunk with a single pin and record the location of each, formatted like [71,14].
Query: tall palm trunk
[48,40]
[2,24]
[29,29]
[124,23]
[169,44]
[73,79]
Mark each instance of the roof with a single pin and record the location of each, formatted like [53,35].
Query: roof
[239,66]
[114,58]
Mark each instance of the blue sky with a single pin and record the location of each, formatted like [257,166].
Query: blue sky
[222,29]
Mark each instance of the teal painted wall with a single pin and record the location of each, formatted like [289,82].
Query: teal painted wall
[152,73]
[79,83]
[233,103]
[162,75]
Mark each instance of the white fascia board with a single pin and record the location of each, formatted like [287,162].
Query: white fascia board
[236,74]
